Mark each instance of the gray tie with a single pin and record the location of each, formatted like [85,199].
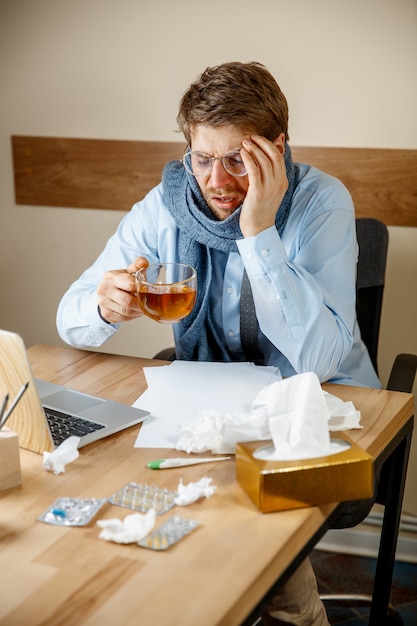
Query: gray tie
[249,323]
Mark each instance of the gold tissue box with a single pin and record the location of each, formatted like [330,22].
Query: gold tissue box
[9,460]
[281,485]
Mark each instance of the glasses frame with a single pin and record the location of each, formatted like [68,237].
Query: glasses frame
[211,159]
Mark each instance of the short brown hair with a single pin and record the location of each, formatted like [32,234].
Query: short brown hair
[244,95]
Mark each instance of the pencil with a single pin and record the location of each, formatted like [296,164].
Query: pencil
[3,406]
[14,403]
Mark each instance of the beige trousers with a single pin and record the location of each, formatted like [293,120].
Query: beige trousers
[298,602]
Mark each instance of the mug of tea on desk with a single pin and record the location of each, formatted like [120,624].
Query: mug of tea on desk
[166,291]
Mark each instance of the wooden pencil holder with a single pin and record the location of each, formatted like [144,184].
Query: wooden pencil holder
[10,475]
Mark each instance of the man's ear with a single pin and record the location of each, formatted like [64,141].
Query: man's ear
[280,142]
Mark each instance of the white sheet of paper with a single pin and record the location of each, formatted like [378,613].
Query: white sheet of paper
[179,392]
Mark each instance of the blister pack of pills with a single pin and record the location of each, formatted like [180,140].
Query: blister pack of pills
[141,497]
[168,533]
[72,511]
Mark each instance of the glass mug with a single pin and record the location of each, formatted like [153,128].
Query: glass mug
[166,291]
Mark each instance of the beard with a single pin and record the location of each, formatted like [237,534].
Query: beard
[223,201]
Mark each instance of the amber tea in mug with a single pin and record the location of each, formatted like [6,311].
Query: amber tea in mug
[166,291]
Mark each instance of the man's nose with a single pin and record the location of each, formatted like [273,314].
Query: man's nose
[218,175]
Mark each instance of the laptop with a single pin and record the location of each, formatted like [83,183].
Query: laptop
[49,413]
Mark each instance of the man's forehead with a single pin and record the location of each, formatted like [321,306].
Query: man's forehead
[220,129]
[217,137]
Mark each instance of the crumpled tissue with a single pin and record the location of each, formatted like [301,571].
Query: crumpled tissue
[295,412]
[65,453]
[187,494]
[298,418]
[220,433]
[342,415]
[131,529]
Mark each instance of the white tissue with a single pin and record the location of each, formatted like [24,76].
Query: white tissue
[220,433]
[132,529]
[296,413]
[343,415]
[187,494]
[65,453]
[298,417]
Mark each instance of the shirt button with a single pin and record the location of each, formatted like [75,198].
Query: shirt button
[229,290]
[249,256]
[231,333]
[265,252]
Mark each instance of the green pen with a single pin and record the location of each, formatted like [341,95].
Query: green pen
[180,462]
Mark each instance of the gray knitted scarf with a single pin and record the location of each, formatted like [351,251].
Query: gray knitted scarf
[199,232]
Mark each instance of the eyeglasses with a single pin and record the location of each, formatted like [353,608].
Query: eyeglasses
[201,164]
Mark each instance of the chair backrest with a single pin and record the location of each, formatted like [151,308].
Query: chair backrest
[372,238]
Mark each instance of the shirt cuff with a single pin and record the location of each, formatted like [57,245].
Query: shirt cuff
[263,252]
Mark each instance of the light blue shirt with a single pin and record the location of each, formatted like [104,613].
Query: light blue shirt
[303,283]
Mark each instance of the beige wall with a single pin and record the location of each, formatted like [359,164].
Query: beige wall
[105,69]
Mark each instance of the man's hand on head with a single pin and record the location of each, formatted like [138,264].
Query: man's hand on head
[268,183]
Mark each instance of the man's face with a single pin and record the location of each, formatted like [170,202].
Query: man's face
[223,192]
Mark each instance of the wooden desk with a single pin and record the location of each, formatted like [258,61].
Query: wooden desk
[215,576]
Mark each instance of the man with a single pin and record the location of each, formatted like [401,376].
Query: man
[238,209]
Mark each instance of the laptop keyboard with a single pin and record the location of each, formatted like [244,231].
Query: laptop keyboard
[62,425]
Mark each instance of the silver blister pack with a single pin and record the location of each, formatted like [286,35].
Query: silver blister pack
[72,511]
[168,533]
[141,497]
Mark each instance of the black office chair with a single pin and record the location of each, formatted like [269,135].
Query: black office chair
[372,238]
[373,246]
[167,354]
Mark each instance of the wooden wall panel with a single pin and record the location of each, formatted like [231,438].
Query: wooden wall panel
[383,182]
[113,174]
[87,173]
